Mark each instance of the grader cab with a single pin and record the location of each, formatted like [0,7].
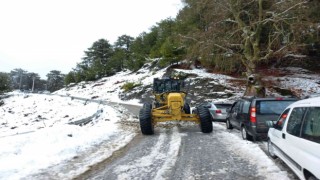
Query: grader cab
[170,105]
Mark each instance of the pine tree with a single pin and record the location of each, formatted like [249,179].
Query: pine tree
[96,62]
[55,80]
[122,57]
[4,82]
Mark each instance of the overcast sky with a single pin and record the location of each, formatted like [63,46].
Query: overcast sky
[43,35]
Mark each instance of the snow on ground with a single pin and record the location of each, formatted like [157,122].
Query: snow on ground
[204,74]
[29,112]
[252,152]
[35,134]
[109,88]
[216,78]
[302,82]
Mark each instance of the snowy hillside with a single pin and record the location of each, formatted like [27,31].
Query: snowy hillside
[38,131]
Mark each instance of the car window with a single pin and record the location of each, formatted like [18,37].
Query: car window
[272,107]
[222,106]
[235,107]
[311,125]
[208,105]
[295,121]
[213,106]
[239,109]
[282,120]
[246,106]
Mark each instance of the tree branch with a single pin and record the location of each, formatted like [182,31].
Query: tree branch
[292,7]
[187,37]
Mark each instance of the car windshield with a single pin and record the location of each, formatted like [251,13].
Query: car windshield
[272,107]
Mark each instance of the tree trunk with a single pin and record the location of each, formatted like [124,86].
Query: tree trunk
[255,86]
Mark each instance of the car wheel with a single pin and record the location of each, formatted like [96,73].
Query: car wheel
[271,150]
[244,134]
[228,124]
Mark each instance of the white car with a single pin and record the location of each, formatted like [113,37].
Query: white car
[295,138]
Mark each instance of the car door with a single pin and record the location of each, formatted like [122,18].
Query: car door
[309,143]
[235,115]
[231,115]
[276,131]
[290,137]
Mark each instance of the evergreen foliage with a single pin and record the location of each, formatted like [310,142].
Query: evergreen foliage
[231,36]
[123,54]
[70,78]
[55,80]
[24,80]
[4,82]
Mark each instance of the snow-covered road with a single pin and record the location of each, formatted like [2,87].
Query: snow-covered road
[182,152]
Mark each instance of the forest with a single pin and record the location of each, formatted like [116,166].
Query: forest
[227,36]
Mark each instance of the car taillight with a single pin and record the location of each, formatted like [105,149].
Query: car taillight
[218,111]
[284,116]
[279,99]
[253,118]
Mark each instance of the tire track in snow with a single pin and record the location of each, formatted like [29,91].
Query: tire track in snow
[172,155]
[143,164]
[156,164]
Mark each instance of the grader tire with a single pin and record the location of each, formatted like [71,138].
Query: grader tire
[145,118]
[205,119]
[186,108]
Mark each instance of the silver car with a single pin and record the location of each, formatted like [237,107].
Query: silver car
[218,111]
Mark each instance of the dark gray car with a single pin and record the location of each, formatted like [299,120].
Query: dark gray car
[250,115]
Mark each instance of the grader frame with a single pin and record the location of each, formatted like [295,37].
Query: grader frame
[170,105]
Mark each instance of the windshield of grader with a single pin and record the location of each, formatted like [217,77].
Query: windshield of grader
[167,85]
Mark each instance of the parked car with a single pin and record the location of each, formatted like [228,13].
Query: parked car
[218,111]
[295,138]
[249,115]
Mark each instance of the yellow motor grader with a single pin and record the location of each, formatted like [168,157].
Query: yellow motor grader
[170,105]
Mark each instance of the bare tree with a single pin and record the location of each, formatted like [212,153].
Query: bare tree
[265,31]
[249,32]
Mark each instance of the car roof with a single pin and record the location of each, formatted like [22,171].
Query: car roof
[268,98]
[222,103]
[307,102]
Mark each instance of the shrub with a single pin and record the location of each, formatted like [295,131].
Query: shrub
[128,86]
